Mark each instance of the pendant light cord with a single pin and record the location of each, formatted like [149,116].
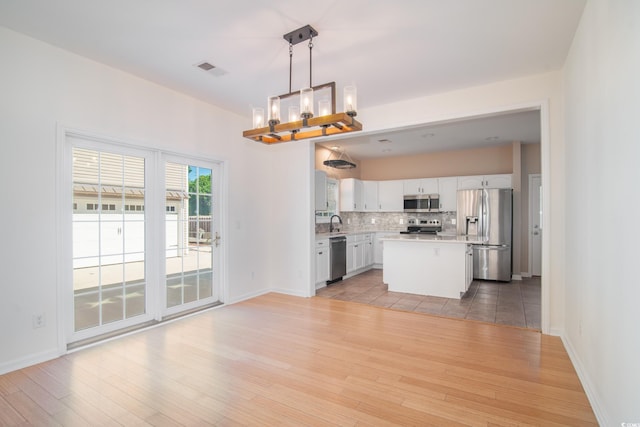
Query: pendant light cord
[310,59]
[290,62]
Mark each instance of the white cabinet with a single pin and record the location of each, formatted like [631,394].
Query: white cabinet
[421,186]
[351,195]
[321,191]
[323,272]
[448,190]
[498,181]
[368,249]
[370,195]
[359,252]
[484,181]
[378,247]
[390,196]
[468,267]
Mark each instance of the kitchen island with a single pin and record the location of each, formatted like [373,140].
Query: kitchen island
[433,265]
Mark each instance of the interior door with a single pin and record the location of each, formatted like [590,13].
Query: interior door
[535,224]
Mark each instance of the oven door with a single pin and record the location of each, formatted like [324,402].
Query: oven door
[416,203]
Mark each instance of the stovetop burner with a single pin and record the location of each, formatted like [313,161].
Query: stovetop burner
[423,226]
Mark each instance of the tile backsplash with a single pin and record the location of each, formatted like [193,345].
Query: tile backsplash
[385,221]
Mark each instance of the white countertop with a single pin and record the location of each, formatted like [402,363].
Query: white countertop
[351,233]
[433,238]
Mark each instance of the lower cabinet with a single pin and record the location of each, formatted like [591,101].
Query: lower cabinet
[359,252]
[468,265]
[323,272]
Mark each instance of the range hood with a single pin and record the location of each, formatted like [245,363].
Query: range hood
[339,160]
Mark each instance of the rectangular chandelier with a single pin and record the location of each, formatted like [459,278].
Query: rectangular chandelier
[302,123]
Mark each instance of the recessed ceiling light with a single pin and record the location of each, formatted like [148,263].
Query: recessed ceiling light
[384,141]
[335,147]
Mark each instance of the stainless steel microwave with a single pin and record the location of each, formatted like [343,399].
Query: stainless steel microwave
[422,203]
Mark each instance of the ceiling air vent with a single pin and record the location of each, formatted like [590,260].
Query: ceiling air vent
[211,69]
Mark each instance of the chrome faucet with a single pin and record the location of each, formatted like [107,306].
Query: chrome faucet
[331,222]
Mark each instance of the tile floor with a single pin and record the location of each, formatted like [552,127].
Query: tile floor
[516,303]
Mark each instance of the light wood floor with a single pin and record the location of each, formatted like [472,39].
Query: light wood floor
[282,360]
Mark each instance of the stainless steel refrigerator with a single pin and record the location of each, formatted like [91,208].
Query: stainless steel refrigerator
[487,214]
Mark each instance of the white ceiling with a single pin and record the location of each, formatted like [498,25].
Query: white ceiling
[389,50]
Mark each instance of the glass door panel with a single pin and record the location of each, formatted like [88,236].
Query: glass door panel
[190,236]
[108,229]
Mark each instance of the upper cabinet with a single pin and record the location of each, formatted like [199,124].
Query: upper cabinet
[484,181]
[390,196]
[421,186]
[326,197]
[448,190]
[387,196]
[351,195]
[370,195]
[321,191]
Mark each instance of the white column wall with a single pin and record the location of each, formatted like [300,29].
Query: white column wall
[602,89]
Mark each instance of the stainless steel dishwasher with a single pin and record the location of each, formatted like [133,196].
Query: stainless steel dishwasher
[338,253]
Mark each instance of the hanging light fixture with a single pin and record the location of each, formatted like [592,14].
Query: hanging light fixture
[302,122]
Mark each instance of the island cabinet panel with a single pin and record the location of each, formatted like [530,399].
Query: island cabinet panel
[424,267]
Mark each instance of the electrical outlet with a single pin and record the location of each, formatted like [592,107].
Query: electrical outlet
[38,321]
[401,221]
[373,220]
[348,221]
[453,221]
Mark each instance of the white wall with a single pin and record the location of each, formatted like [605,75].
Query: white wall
[43,86]
[602,181]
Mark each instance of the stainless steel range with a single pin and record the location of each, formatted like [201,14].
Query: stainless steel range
[423,226]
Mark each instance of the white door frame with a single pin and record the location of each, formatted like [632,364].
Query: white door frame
[531,216]
[545,160]
[64,198]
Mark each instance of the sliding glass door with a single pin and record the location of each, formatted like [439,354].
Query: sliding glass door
[144,236]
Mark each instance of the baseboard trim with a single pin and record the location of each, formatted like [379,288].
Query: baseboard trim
[516,277]
[250,295]
[526,274]
[591,392]
[32,359]
[293,293]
